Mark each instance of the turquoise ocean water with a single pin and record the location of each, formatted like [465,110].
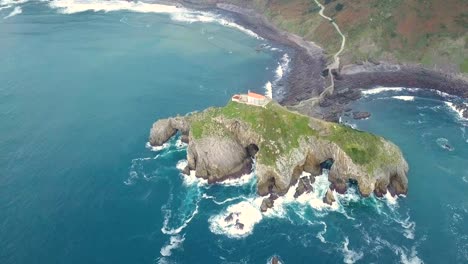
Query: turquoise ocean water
[79,91]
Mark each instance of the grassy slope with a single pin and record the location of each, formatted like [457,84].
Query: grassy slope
[431,32]
[282,129]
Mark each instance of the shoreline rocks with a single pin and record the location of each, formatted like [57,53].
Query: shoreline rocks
[361,115]
[329,198]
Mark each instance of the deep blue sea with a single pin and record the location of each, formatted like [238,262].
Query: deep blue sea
[81,83]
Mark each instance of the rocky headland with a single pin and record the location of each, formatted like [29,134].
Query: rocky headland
[224,143]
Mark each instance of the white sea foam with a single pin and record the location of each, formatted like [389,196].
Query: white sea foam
[133,175]
[270,259]
[175,231]
[405,256]
[465,179]
[350,256]
[190,179]
[246,213]
[453,108]
[157,148]
[392,201]
[409,227]
[321,233]
[174,242]
[180,145]
[12,2]
[5,7]
[268,90]
[16,11]
[381,90]
[205,196]
[239,181]
[176,12]
[404,97]
[281,69]
[412,258]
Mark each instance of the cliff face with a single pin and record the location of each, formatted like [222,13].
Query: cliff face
[223,141]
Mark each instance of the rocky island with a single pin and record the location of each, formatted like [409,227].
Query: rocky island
[225,142]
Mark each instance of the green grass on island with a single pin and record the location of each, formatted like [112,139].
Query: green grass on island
[282,130]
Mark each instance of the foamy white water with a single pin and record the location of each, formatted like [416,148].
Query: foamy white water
[177,13]
[175,231]
[350,256]
[454,109]
[16,11]
[174,242]
[246,213]
[404,97]
[157,148]
[268,90]
[381,90]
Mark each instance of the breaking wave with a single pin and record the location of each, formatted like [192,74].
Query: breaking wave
[281,70]
[238,220]
[381,90]
[16,11]
[186,218]
[404,97]
[176,13]
[174,242]
[452,107]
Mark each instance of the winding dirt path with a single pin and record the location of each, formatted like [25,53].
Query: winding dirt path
[336,59]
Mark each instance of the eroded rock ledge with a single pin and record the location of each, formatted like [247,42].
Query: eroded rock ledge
[223,141]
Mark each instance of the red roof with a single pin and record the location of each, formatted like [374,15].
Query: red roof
[256,95]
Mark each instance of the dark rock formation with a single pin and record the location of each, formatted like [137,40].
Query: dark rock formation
[185,139]
[361,115]
[229,218]
[266,203]
[275,260]
[239,225]
[186,170]
[329,198]
[304,186]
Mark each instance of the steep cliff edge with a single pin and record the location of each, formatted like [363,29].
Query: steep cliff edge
[223,141]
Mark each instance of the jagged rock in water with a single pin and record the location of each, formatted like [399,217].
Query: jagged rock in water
[275,260]
[266,204]
[304,186]
[229,218]
[164,129]
[329,198]
[239,225]
[161,132]
[186,170]
[184,138]
[361,115]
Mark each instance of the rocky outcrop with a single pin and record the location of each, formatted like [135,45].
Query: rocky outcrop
[361,115]
[329,198]
[217,158]
[224,148]
[164,129]
[266,204]
[304,186]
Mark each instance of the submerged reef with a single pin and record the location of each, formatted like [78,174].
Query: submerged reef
[223,142]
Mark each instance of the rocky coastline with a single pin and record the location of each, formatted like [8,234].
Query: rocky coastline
[306,81]
[308,75]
